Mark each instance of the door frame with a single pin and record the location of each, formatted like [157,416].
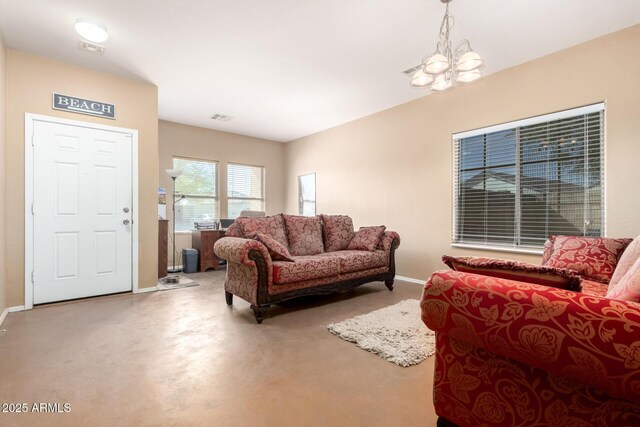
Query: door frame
[29,124]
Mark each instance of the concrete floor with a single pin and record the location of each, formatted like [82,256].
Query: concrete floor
[182,357]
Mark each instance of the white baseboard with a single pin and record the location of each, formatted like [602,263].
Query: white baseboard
[10,310]
[3,315]
[411,280]
[145,290]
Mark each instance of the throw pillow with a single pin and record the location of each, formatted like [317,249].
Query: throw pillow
[338,232]
[233,231]
[594,258]
[304,234]
[367,238]
[628,287]
[516,270]
[270,225]
[627,260]
[276,249]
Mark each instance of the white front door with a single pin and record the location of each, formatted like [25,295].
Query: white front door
[82,197]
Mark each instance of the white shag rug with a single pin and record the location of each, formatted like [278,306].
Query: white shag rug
[395,333]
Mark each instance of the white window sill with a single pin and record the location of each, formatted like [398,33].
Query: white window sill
[184,232]
[530,251]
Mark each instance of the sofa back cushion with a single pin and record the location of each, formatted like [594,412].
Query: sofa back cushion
[627,260]
[516,270]
[628,287]
[337,232]
[304,234]
[233,230]
[594,258]
[367,238]
[276,249]
[272,226]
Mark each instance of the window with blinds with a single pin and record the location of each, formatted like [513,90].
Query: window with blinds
[517,183]
[198,185]
[245,189]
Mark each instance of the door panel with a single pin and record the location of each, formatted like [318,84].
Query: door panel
[82,184]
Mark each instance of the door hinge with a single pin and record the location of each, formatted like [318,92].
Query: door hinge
[32,212]
[33,277]
[33,139]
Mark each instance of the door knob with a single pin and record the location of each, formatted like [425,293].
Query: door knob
[125,210]
[125,222]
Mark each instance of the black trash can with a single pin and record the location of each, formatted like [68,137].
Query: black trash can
[190,260]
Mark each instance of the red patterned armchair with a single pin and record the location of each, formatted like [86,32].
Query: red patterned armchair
[512,353]
[276,258]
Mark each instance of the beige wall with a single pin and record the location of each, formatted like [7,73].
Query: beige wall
[198,143]
[31,82]
[3,144]
[395,167]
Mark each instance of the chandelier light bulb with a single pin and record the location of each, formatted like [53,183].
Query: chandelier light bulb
[468,76]
[437,64]
[91,31]
[421,79]
[469,61]
[442,83]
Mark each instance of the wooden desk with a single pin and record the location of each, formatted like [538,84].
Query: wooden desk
[203,241]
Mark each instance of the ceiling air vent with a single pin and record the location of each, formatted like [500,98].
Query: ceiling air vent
[412,70]
[91,47]
[221,117]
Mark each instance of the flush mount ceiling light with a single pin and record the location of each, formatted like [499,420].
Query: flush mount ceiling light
[445,67]
[91,31]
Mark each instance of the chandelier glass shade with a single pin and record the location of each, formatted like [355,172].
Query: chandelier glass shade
[447,66]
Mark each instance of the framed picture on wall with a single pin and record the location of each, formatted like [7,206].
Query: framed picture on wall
[307,194]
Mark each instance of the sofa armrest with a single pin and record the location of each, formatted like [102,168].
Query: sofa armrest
[236,249]
[249,268]
[390,238]
[589,339]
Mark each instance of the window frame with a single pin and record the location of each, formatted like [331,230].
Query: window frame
[216,197]
[264,181]
[516,125]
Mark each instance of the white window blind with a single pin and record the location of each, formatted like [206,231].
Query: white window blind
[198,183]
[245,189]
[515,184]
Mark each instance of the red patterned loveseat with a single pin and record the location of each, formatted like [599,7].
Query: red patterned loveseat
[511,353]
[276,258]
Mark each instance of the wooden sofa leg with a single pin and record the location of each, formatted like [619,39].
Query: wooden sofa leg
[389,284]
[229,297]
[260,312]
[443,422]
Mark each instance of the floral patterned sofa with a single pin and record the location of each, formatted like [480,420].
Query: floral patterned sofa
[276,258]
[514,353]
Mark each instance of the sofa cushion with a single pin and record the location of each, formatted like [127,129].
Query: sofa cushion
[337,231]
[594,258]
[367,238]
[627,260]
[351,261]
[304,234]
[272,226]
[516,270]
[596,289]
[628,287]
[276,249]
[233,230]
[305,268]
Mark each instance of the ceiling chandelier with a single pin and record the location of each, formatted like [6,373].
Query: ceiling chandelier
[446,67]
